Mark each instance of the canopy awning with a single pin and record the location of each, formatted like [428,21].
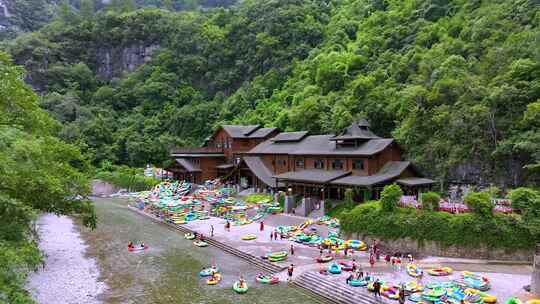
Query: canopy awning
[257,167]
[312,175]
[187,165]
[389,171]
[415,181]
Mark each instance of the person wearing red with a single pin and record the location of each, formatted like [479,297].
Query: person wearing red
[262,226]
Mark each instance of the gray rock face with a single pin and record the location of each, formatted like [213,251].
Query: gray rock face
[112,62]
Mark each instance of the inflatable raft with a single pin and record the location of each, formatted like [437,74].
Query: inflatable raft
[200,243]
[441,271]
[414,271]
[266,279]
[137,248]
[236,287]
[334,268]
[248,237]
[208,271]
[214,280]
[325,258]
[189,236]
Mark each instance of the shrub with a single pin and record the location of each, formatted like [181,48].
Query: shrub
[390,197]
[480,203]
[525,200]
[257,197]
[430,201]
[468,229]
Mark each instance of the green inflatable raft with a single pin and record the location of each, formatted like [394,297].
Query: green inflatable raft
[236,287]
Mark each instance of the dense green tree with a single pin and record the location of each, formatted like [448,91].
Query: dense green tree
[480,203]
[38,173]
[430,201]
[390,197]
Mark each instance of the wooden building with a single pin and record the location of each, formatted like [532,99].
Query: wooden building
[325,165]
[318,166]
[219,155]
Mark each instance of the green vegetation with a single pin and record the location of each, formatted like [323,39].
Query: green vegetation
[38,173]
[480,203]
[481,227]
[131,179]
[257,197]
[430,201]
[390,197]
[455,82]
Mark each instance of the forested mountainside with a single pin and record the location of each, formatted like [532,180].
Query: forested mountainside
[456,82]
[29,15]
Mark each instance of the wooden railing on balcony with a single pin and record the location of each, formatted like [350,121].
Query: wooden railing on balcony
[196,150]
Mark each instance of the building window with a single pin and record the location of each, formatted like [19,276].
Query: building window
[358,164]
[318,164]
[300,163]
[281,162]
[337,164]
[196,161]
[218,144]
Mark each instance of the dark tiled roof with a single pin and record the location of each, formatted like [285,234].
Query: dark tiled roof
[320,145]
[237,131]
[261,132]
[189,166]
[388,172]
[314,175]
[415,181]
[290,136]
[357,130]
[257,166]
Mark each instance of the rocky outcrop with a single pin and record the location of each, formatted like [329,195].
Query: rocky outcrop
[113,62]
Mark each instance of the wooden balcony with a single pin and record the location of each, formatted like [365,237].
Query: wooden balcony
[196,150]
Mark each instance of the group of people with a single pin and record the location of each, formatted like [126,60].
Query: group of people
[274,235]
[132,246]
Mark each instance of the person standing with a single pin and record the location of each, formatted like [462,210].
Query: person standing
[292,249]
[271,235]
[371,260]
[262,226]
[290,271]
[211,230]
[401,295]
[377,288]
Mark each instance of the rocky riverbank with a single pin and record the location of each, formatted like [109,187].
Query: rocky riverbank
[69,275]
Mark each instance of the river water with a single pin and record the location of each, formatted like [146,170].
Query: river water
[105,272]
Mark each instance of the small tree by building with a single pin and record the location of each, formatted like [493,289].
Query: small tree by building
[348,198]
[525,201]
[430,201]
[480,203]
[390,197]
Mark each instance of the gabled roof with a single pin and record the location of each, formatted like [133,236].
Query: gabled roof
[237,131]
[257,166]
[189,166]
[289,136]
[388,172]
[320,145]
[313,175]
[357,130]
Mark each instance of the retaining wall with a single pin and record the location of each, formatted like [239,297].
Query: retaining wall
[430,248]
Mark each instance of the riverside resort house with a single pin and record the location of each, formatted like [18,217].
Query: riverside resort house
[312,167]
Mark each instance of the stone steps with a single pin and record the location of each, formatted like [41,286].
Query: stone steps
[334,292]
